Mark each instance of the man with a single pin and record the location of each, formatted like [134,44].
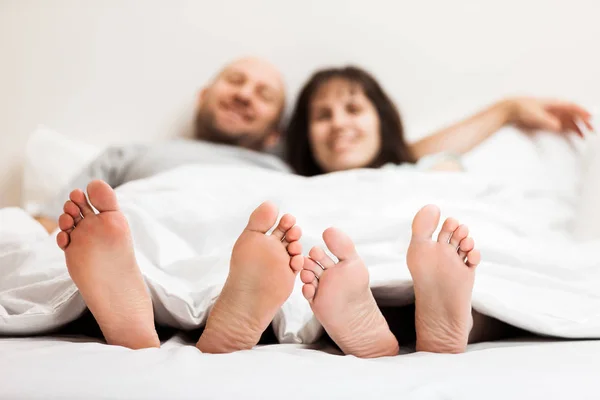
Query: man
[238,115]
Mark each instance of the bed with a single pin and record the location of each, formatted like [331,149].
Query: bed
[77,368]
[552,294]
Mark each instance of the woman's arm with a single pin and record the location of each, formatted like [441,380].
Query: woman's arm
[527,113]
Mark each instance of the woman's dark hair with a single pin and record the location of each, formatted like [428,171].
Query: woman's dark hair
[394,148]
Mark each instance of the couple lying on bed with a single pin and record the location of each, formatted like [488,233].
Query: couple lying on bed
[342,120]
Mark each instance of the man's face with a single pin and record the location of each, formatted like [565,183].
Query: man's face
[242,106]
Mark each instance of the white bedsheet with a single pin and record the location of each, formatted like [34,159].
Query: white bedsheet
[59,368]
[184,223]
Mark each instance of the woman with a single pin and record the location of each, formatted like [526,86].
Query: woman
[343,120]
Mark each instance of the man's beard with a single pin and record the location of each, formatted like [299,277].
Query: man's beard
[205,128]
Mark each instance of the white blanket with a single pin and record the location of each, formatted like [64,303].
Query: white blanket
[184,222]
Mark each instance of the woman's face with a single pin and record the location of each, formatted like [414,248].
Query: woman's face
[344,128]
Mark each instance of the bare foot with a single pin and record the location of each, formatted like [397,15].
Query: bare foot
[443,282]
[342,301]
[101,261]
[261,278]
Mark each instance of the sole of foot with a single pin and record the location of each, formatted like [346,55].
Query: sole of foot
[101,261]
[261,277]
[341,299]
[443,273]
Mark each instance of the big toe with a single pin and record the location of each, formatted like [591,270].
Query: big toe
[426,221]
[340,244]
[102,196]
[263,218]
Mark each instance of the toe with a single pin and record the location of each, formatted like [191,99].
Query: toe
[458,235]
[80,200]
[312,268]
[285,224]
[425,222]
[297,262]
[66,222]
[339,244]
[465,246]
[308,291]
[318,256]
[62,240]
[72,209]
[307,276]
[450,225]
[473,258]
[294,248]
[102,196]
[294,234]
[263,218]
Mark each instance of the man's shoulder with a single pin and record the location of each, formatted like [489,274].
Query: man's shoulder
[195,144]
[222,151]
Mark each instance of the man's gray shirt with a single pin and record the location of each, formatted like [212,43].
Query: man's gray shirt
[121,164]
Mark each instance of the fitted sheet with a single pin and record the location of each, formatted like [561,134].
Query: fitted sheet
[82,368]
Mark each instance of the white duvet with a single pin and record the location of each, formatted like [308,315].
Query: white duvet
[533,274]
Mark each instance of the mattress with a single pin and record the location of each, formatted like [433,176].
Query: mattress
[81,368]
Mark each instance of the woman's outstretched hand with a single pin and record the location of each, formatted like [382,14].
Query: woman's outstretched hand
[551,115]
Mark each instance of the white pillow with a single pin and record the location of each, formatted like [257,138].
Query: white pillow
[587,223]
[51,161]
[542,158]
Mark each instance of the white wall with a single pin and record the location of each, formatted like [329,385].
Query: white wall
[123,70]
